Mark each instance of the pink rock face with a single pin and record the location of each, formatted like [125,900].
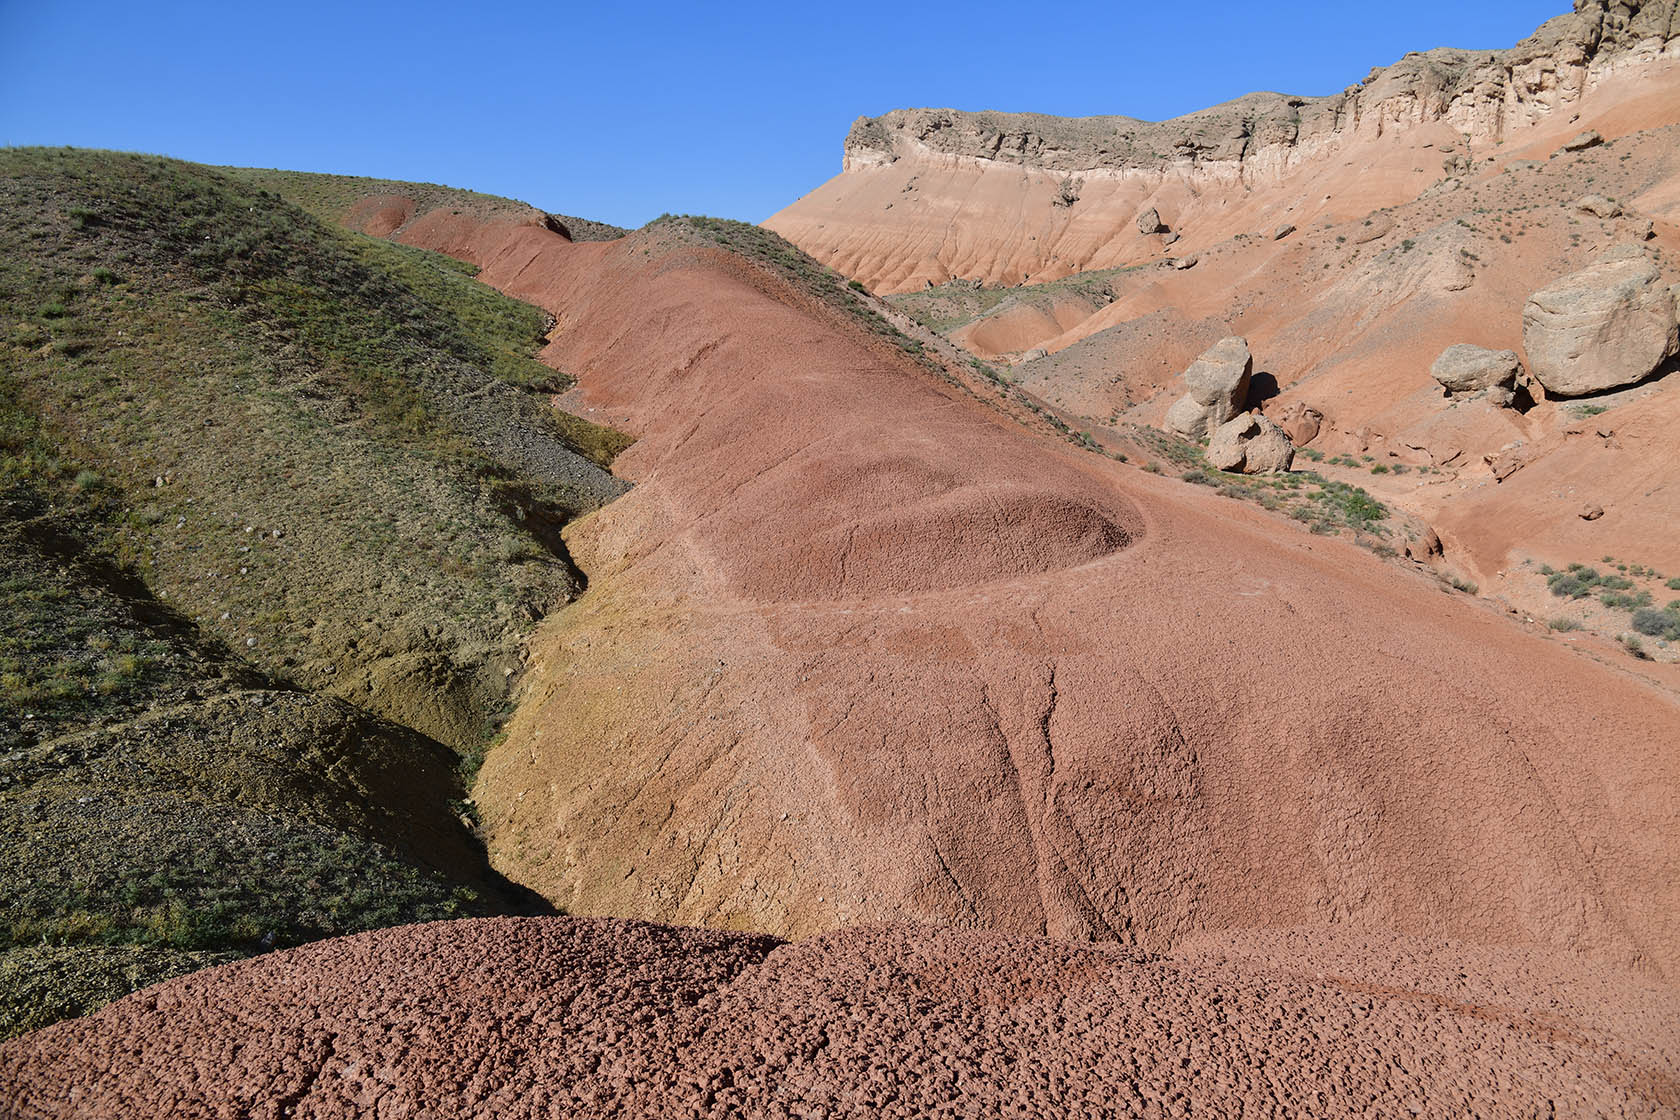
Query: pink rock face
[513,1018]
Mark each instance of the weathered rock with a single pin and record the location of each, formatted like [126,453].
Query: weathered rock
[1183,263]
[1459,274]
[1598,206]
[1301,423]
[1507,461]
[1587,139]
[1464,369]
[1218,386]
[1035,354]
[1606,326]
[1425,547]
[1251,444]
[1377,226]
[1282,231]
[1150,222]
[1170,238]
[1591,512]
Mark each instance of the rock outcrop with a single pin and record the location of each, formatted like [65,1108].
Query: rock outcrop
[1480,93]
[1464,370]
[1217,384]
[1609,325]
[1250,444]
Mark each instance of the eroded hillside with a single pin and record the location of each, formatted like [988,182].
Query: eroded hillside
[1350,240]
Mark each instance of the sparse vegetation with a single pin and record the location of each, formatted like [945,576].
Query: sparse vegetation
[243,455]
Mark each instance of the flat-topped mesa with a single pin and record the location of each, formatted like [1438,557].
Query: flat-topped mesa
[1479,93]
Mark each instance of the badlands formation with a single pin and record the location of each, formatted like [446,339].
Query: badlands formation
[1447,199]
[905,757]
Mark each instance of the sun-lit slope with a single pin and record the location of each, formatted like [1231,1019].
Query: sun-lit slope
[546,1017]
[928,195]
[856,648]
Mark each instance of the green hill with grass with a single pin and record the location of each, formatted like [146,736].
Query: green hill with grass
[279,504]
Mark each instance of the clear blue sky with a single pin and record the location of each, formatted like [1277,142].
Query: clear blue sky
[622,111]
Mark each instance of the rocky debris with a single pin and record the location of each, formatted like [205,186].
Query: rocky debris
[1301,422]
[1587,139]
[1283,231]
[1523,165]
[1217,384]
[1067,193]
[1609,325]
[1465,370]
[1035,354]
[549,1017]
[1591,512]
[1425,547]
[1251,444]
[1182,263]
[1647,231]
[1171,238]
[1598,206]
[1150,222]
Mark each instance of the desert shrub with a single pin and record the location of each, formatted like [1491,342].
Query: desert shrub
[1564,624]
[1655,623]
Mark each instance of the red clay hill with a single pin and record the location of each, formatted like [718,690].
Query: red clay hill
[1090,791]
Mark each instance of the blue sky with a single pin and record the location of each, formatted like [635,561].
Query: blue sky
[623,111]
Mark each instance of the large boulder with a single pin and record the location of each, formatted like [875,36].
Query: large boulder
[1601,328]
[1217,384]
[1150,222]
[1465,369]
[1251,444]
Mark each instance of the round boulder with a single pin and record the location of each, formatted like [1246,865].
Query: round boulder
[1601,328]
[1250,444]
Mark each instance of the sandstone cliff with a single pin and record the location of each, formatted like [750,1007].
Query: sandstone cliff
[1479,93]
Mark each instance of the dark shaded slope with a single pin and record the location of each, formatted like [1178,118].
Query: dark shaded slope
[277,508]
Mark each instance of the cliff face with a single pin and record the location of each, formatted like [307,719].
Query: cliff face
[928,195]
[1479,93]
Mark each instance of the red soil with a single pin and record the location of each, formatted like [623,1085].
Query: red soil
[858,649]
[560,1017]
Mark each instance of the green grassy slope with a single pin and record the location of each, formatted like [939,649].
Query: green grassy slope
[278,504]
[331,198]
